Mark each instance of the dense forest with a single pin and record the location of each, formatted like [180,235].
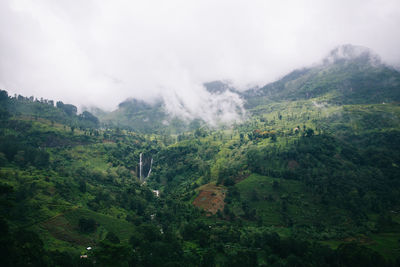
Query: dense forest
[309,178]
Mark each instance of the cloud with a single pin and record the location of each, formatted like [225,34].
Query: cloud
[100,52]
[197,103]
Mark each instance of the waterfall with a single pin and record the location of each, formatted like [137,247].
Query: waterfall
[140,167]
[151,164]
[144,161]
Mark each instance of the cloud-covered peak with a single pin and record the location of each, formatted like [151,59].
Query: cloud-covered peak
[98,53]
[218,87]
[352,52]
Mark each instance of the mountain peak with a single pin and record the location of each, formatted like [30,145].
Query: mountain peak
[349,52]
[218,87]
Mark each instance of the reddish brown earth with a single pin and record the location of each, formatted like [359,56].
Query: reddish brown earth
[210,198]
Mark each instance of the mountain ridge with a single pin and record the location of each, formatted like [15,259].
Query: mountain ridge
[348,74]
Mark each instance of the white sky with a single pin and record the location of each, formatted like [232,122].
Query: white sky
[100,52]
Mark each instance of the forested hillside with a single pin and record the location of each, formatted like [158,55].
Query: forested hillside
[348,75]
[309,178]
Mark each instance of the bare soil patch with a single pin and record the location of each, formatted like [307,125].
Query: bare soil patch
[211,198]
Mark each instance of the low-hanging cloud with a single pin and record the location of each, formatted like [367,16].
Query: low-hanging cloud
[100,52]
[214,108]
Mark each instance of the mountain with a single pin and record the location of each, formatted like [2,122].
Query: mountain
[218,87]
[147,117]
[304,180]
[348,75]
[161,117]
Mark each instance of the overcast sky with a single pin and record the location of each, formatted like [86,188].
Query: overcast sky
[100,52]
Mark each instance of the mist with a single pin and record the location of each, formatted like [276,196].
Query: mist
[98,53]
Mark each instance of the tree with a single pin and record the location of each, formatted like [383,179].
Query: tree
[113,238]
[3,95]
[86,115]
[275,185]
[3,159]
[28,250]
[110,254]
[273,137]
[254,195]
[355,255]
[309,132]
[82,186]
[87,225]
[228,181]
[70,109]
[59,104]
[67,108]
[41,159]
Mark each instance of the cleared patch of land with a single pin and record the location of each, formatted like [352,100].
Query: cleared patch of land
[211,198]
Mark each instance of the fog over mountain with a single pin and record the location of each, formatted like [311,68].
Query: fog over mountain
[99,53]
[212,107]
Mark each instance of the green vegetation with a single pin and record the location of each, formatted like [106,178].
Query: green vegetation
[311,178]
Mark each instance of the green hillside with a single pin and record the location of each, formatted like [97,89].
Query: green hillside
[310,178]
[348,78]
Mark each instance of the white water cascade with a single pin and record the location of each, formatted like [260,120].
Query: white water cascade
[144,161]
[140,167]
[151,164]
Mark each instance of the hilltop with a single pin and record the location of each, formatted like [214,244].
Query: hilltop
[348,75]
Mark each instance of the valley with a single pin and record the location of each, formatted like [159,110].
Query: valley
[309,176]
